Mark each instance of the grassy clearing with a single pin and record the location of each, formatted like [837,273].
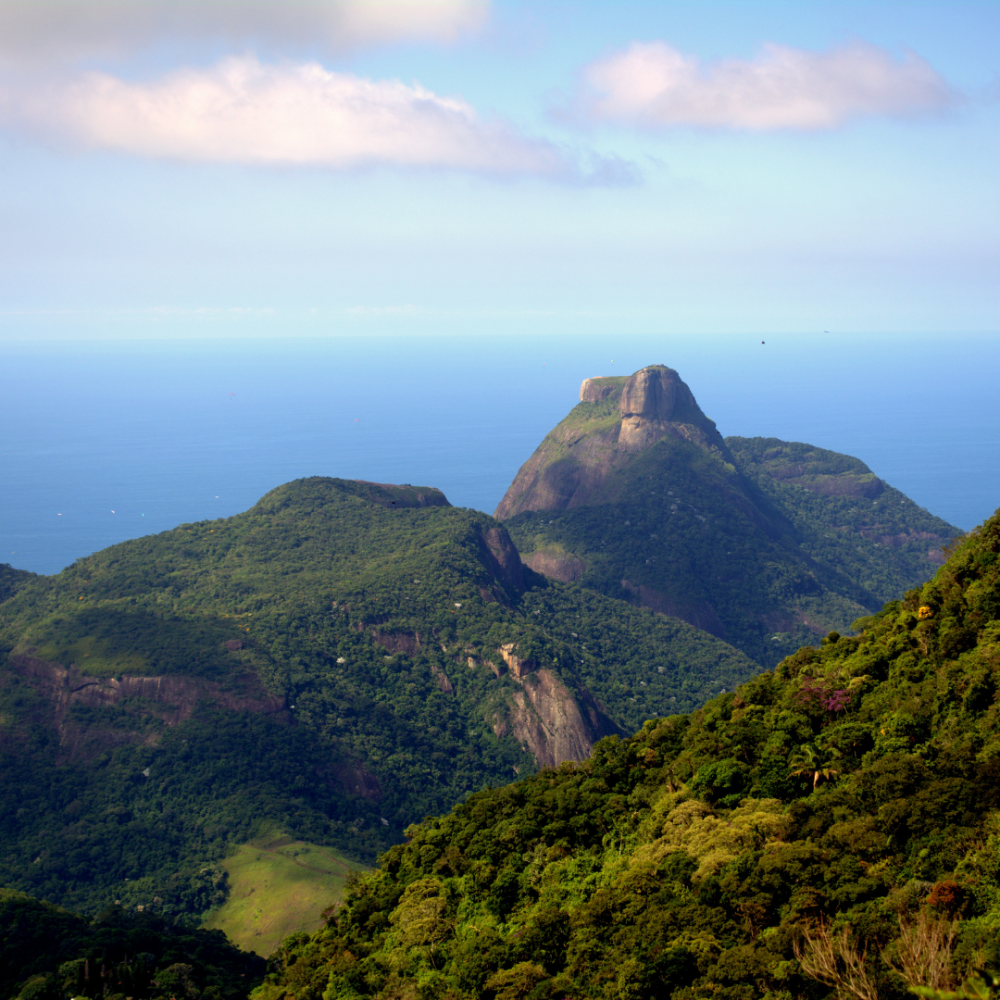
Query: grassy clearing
[278,886]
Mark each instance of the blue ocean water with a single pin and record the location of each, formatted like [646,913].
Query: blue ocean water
[106,440]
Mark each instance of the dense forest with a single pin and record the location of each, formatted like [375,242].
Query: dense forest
[845,515]
[47,953]
[327,664]
[829,828]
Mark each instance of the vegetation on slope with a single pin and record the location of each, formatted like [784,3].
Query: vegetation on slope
[845,515]
[831,828]
[748,551]
[47,953]
[277,886]
[12,580]
[369,621]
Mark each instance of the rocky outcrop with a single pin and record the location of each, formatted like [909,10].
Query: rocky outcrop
[441,679]
[553,723]
[171,699]
[518,666]
[576,464]
[655,403]
[559,565]
[594,390]
[502,557]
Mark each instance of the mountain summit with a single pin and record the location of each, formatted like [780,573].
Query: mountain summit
[621,417]
[767,544]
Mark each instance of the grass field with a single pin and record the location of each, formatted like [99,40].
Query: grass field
[278,886]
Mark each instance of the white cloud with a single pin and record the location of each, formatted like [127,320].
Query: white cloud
[244,111]
[64,29]
[653,85]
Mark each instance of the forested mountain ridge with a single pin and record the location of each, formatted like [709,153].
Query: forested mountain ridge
[831,828]
[766,544]
[845,515]
[12,580]
[336,661]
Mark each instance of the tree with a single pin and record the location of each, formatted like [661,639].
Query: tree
[812,761]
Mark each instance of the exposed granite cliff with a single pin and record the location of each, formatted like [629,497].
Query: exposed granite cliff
[616,419]
[171,699]
[555,724]
[544,715]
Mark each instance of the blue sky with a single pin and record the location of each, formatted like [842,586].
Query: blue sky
[179,168]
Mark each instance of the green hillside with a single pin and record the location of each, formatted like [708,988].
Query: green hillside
[277,886]
[845,515]
[12,580]
[766,544]
[337,661]
[829,829]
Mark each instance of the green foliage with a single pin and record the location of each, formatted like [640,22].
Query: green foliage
[92,832]
[704,857]
[847,518]
[680,529]
[47,953]
[372,614]
[12,580]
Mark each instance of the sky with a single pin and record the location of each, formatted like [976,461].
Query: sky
[246,168]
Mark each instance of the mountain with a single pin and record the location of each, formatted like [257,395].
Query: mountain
[329,665]
[764,543]
[829,829]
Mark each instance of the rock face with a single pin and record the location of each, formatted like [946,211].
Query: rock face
[172,699]
[593,390]
[515,664]
[504,559]
[553,723]
[575,464]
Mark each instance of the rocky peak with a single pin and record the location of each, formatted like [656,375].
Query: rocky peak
[655,398]
[593,390]
[652,393]
[580,455]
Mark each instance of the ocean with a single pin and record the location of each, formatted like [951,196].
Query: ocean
[101,441]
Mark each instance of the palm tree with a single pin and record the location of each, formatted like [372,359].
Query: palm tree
[815,762]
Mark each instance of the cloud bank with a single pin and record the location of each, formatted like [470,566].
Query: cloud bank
[244,111]
[653,85]
[64,29]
